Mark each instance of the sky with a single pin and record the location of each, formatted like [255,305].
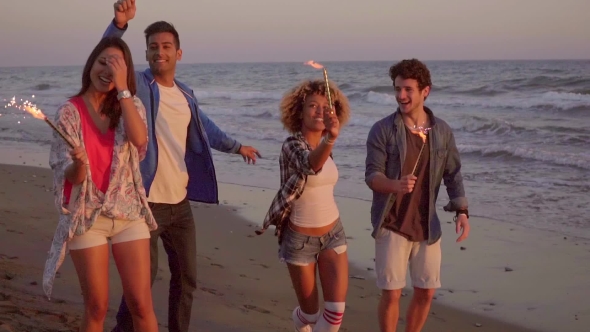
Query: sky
[63,32]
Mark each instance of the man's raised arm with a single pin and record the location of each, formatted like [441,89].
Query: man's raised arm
[124,12]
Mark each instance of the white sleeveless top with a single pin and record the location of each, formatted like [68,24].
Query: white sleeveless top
[316,207]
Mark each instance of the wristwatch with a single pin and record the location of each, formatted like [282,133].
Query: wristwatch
[123,94]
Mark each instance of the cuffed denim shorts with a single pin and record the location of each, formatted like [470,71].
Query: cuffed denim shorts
[300,249]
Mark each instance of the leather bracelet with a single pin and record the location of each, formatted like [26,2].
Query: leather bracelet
[464,211]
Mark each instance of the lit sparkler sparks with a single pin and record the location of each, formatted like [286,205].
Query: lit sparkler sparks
[422,132]
[319,66]
[35,112]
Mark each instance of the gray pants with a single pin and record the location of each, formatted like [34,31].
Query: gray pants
[176,227]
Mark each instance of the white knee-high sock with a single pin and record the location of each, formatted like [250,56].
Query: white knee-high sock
[332,318]
[303,320]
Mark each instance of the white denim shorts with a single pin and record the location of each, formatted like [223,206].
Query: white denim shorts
[114,229]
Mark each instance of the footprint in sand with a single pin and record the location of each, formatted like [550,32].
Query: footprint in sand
[211,291]
[433,315]
[264,266]
[7,307]
[255,308]
[218,265]
[9,276]
[245,276]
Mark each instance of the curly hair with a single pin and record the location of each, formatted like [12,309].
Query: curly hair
[411,69]
[292,103]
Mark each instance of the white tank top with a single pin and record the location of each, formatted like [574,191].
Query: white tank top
[316,207]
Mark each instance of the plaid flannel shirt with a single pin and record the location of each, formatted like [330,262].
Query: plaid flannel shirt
[295,167]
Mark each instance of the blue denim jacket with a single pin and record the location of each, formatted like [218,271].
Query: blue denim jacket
[386,151]
[203,134]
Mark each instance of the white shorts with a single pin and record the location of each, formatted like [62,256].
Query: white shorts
[392,254]
[117,230]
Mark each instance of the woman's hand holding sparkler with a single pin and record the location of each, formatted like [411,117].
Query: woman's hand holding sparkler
[332,125]
[76,172]
[79,156]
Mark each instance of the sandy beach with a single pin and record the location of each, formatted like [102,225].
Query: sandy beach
[503,278]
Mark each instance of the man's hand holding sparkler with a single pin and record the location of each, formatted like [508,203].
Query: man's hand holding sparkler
[124,12]
[405,185]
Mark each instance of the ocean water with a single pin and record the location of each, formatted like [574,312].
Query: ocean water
[522,127]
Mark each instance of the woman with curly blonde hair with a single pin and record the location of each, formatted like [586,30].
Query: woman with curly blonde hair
[304,210]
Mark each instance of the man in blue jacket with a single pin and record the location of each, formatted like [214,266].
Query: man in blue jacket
[178,166]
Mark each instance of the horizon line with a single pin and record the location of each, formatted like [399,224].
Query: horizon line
[324,61]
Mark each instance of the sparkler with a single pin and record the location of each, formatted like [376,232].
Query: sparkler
[37,114]
[319,66]
[420,131]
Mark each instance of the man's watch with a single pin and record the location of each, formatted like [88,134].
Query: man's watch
[123,94]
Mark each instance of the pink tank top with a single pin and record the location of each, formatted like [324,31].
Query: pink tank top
[99,148]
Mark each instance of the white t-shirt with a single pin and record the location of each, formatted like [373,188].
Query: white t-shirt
[174,116]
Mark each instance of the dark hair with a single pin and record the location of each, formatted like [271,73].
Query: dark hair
[411,69]
[111,107]
[159,27]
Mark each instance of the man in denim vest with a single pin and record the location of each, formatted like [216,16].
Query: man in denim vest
[409,153]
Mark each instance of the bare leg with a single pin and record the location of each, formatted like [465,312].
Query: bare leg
[389,309]
[303,279]
[133,262]
[333,270]
[92,267]
[419,309]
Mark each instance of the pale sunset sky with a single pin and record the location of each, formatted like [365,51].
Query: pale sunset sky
[63,32]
